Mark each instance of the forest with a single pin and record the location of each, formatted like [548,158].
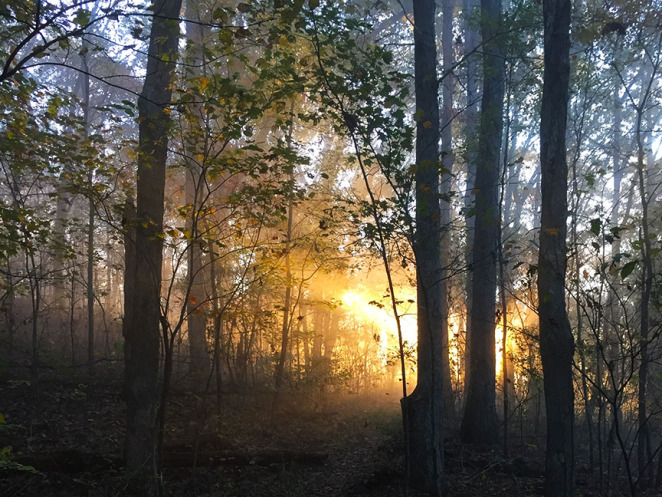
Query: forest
[325,248]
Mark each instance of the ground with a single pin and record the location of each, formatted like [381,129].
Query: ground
[67,442]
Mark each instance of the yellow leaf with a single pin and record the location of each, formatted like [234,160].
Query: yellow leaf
[427,124]
[204,82]
[2,420]
[552,231]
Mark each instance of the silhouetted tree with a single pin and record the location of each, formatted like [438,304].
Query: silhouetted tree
[556,340]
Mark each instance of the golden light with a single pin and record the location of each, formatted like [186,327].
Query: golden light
[374,311]
[516,321]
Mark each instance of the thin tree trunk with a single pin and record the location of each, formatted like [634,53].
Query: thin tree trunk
[85,84]
[556,340]
[448,84]
[90,286]
[504,212]
[195,172]
[643,434]
[285,330]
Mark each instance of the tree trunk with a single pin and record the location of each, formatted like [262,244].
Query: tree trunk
[448,84]
[195,172]
[143,278]
[556,340]
[85,84]
[287,304]
[424,407]
[471,42]
[479,424]
[644,460]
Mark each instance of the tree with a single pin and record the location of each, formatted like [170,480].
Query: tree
[425,405]
[194,143]
[643,180]
[556,340]
[142,303]
[32,31]
[479,423]
[447,85]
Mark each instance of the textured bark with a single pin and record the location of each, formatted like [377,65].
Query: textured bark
[143,278]
[424,407]
[556,340]
[479,423]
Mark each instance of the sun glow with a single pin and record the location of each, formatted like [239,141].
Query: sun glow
[375,312]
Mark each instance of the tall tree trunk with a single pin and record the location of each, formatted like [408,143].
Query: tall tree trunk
[142,302]
[503,234]
[479,423]
[556,340]
[195,171]
[424,407]
[471,42]
[215,281]
[643,179]
[644,460]
[85,89]
[287,304]
[448,84]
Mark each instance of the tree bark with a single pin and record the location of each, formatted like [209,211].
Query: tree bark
[424,407]
[556,340]
[143,278]
[479,423]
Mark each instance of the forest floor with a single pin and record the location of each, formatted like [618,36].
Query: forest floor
[68,441]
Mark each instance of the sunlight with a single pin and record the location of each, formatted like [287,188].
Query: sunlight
[373,310]
[514,324]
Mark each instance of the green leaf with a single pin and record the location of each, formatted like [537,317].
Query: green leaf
[82,17]
[2,419]
[628,268]
[596,225]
